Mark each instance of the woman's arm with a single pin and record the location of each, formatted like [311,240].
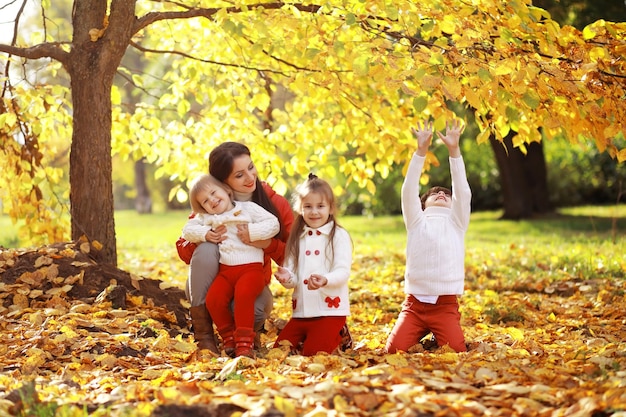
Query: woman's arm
[276,247]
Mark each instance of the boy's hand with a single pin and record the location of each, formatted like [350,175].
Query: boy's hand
[452,137]
[424,135]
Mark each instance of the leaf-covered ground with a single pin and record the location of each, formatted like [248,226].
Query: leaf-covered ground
[80,338]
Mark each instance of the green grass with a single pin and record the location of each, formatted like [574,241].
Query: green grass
[584,241]
[145,233]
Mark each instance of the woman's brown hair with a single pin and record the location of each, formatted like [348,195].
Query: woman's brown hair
[221,162]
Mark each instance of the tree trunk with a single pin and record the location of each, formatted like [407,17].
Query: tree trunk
[91,184]
[92,66]
[143,201]
[523,179]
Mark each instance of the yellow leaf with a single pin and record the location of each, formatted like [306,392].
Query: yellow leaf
[85,247]
[396,360]
[340,403]
[598,53]
[448,24]
[449,357]
[360,65]
[483,137]
[286,406]
[507,67]
[36,358]
[185,347]
[515,333]
[588,33]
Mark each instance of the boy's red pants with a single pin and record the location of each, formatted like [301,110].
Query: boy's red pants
[318,334]
[417,319]
[243,283]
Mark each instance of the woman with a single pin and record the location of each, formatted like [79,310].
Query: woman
[232,164]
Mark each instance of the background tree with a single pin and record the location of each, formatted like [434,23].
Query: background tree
[523,170]
[359,73]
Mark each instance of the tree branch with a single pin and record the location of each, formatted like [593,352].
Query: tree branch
[153,17]
[44,50]
[207,61]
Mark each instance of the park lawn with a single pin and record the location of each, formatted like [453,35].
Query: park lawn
[580,238]
[583,240]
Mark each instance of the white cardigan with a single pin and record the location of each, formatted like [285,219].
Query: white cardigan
[435,252]
[261,225]
[333,298]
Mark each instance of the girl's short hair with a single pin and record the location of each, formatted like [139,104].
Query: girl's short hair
[431,191]
[202,183]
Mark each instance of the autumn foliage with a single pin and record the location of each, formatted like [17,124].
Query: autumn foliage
[330,87]
[79,338]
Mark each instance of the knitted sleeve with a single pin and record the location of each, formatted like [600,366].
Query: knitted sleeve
[461,193]
[196,229]
[264,224]
[411,204]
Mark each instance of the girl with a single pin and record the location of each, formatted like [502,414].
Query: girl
[318,259]
[240,277]
[232,164]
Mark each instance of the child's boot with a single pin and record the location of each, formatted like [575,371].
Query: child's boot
[228,340]
[244,340]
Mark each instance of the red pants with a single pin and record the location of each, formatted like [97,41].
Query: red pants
[243,283]
[417,319]
[317,334]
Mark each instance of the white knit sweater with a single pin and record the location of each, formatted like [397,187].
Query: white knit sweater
[435,252]
[261,225]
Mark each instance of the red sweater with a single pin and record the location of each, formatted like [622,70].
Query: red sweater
[276,249]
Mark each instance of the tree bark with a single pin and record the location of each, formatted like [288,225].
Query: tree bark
[92,66]
[523,178]
[91,185]
[143,201]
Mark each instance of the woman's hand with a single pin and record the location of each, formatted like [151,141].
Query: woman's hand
[244,235]
[217,235]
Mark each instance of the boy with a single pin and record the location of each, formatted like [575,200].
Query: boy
[436,225]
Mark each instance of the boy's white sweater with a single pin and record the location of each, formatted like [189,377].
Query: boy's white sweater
[435,252]
[261,225]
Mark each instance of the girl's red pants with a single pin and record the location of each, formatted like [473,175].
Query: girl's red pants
[243,283]
[316,334]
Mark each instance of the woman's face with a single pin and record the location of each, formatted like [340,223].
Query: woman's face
[243,177]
